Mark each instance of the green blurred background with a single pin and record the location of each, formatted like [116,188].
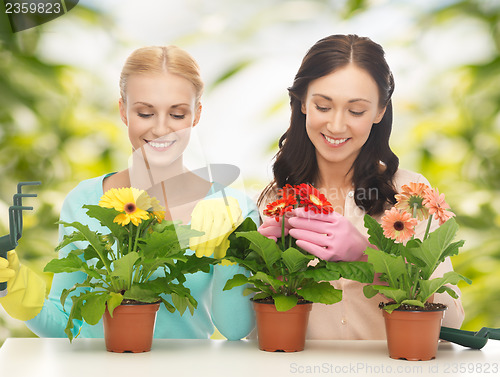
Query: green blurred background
[59,118]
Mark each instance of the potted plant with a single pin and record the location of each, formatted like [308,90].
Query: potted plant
[119,268]
[284,279]
[404,266]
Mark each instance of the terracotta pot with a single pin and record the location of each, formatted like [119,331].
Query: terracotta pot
[131,328]
[281,331]
[413,335]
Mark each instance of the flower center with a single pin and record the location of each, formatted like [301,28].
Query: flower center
[315,200]
[399,226]
[130,208]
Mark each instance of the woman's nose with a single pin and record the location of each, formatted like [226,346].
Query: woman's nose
[337,123]
[162,126]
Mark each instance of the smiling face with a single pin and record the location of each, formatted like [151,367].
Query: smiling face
[159,111]
[340,110]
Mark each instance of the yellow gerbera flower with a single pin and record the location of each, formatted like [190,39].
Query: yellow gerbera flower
[132,202]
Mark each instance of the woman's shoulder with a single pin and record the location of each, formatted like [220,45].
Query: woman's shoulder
[404,177]
[88,191]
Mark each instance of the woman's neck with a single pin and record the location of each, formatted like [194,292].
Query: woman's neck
[334,175]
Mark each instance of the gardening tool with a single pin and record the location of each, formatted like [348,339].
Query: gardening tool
[471,339]
[9,241]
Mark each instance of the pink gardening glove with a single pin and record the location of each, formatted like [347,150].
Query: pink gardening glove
[272,228]
[328,236]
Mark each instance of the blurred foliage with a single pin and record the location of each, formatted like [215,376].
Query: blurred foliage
[46,124]
[460,153]
[51,115]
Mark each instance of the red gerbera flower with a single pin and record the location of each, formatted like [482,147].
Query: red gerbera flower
[312,199]
[278,208]
[287,191]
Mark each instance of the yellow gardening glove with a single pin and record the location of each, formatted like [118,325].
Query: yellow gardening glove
[26,290]
[217,218]
[5,272]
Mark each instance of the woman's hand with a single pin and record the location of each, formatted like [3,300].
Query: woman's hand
[328,236]
[217,218]
[272,228]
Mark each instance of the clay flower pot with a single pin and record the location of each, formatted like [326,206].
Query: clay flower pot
[413,335]
[281,331]
[131,328]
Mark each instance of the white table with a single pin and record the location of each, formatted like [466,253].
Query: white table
[25,357]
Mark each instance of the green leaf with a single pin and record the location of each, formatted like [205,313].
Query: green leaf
[71,238]
[261,295]
[114,300]
[70,263]
[358,271]
[390,308]
[396,294]
[265,247]
[94,307]
[377,238]
[391,265]
[122,270]
[369,291]
[266,279]
[284,303]
[91,237]
[323,293]
[321,274]
[432,249]
[429,287]
[294,260]
[413,302]
[236,281]
[106,216]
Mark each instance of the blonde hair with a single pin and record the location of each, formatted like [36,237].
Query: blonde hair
[159,59]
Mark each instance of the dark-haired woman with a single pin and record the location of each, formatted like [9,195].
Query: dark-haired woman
[338,140]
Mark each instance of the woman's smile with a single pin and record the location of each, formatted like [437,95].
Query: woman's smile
[335,142]
[160,146]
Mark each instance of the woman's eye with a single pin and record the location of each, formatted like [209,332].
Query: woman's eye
[356,113]
[323,109]
[143,115]
[178,116]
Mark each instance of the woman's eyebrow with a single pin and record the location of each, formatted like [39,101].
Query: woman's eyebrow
[330,99]
[322,95]
[143,103]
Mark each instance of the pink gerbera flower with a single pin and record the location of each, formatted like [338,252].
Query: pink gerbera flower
[437,205]
[398,225]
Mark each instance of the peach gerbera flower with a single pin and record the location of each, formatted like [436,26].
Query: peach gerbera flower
[411,200]
[398,225]
[437,206]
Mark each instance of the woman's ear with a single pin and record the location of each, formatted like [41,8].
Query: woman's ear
[303,107]
[197,114]
[123,111]
[380,115]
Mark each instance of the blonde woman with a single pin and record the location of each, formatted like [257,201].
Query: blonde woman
[160,104]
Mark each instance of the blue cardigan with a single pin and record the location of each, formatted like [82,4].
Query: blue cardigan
[229,311]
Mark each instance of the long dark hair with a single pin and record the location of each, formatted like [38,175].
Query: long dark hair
[376,164]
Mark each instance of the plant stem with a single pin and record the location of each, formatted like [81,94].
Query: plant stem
[428,227]
[283,231]
[130,237]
